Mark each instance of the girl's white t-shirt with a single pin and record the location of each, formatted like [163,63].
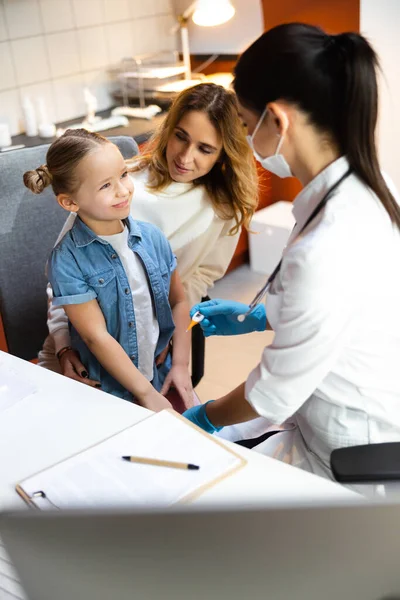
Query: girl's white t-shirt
[147,328]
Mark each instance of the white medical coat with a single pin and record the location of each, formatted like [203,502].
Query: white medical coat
[331,377]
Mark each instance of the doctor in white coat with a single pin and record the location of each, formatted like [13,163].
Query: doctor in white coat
[331,376]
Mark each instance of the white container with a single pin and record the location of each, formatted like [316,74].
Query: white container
[273,225]
[29,117]
[41,112]
[5,136]
[47,130]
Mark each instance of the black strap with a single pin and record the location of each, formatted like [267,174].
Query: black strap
[314,213]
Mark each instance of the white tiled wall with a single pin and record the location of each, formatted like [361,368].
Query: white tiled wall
[54,48]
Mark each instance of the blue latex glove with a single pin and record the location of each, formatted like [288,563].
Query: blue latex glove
[221,317]
[198,416]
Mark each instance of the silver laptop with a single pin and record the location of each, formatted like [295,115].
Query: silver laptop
[318,553]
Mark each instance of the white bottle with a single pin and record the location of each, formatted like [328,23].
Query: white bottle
[29,117]
[46,128]
[41,111]
[91,107]
[5,137]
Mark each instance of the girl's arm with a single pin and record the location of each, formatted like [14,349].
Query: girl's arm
[57,323]
[179,375]
[70,363]
[89,322]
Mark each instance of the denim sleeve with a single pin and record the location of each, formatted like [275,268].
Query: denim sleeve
[170,257]
[173,262]
[67,281]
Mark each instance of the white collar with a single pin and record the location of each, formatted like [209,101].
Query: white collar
[312,194]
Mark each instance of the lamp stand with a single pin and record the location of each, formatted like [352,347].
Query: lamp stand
[185,46]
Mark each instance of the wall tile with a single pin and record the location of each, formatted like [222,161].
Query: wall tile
[93,48]
[138,35]
[56,15]
[7,79]
[3,28]
[22,18]
[162,6]
[144,34]
[63,53]
[119,41]
[69,99]
[141,8]
[30,60]
[116,10]
[88,12]
[41,90]
[165,39]
[10,110]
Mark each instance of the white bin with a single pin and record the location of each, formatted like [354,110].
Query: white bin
[273,225]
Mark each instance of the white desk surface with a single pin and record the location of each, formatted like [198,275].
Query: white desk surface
[64,417]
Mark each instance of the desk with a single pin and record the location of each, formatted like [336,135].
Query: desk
[65,416]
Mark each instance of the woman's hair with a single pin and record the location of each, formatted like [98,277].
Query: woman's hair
[232,182]
[62,159]
[332,79]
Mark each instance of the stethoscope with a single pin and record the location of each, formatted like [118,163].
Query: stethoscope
[260,295]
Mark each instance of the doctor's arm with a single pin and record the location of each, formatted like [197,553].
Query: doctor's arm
[318,301]
[228,410]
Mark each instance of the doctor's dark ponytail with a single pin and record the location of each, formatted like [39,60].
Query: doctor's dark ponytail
[357,125]
[332,79]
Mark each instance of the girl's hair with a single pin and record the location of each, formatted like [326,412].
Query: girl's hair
[232,182]
[62,158]
[331,78]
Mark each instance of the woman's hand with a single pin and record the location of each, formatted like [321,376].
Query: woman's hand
[153,400]
[179,377]
[71,366]
[221,317]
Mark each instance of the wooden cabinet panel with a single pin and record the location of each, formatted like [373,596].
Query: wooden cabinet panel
[3,342]
[335,16]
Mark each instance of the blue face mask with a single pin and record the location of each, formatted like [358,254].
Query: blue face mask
[276,163]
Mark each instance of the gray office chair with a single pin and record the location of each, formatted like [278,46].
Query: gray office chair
[29,226]
[371,463]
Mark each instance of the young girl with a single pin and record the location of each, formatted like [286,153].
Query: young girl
[115,277]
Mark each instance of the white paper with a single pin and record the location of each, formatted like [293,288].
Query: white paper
[99,478]
[13,388]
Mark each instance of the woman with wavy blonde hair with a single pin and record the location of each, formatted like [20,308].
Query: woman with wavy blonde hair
[231,183]
[196,181]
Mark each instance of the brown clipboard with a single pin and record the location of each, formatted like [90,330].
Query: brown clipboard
[190,497]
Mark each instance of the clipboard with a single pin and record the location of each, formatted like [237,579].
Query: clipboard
[162,435]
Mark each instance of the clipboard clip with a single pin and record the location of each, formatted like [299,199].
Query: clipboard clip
[41,494]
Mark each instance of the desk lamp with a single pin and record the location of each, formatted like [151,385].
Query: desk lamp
[206,13]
